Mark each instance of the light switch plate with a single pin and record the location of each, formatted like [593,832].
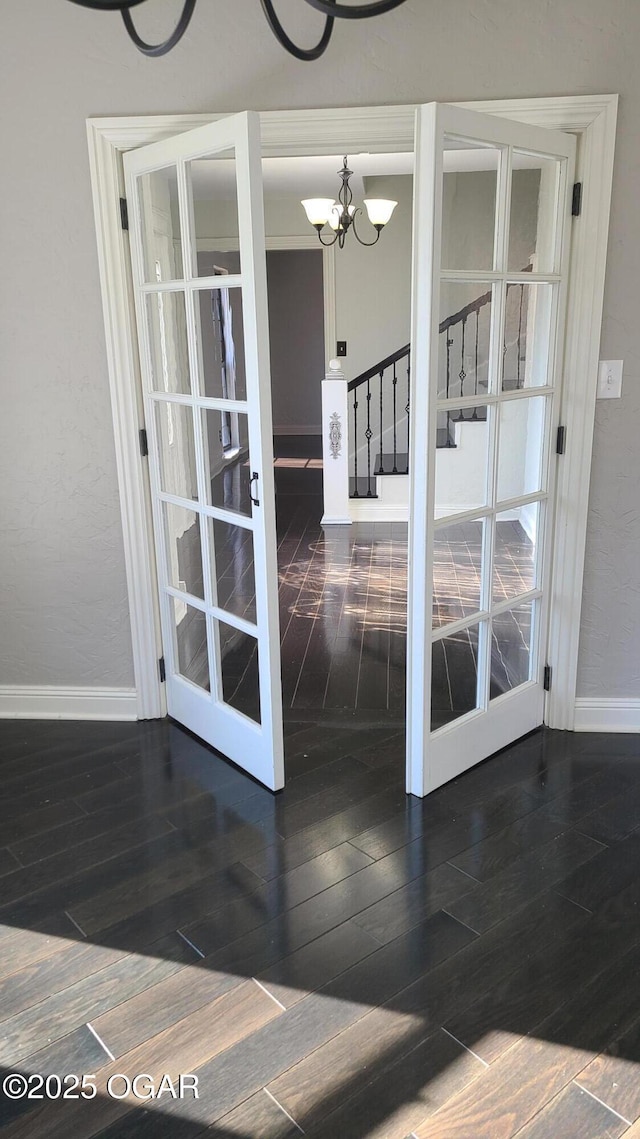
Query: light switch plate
[610,379]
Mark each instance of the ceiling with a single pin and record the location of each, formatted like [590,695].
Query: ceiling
[300,177]
[313,176]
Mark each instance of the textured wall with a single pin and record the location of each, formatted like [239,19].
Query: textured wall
[65,617]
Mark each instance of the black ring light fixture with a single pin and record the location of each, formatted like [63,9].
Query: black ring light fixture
[331,9]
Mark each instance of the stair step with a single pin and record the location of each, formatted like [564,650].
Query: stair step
[362,488]
[444,437]
[386,461]
[468,415]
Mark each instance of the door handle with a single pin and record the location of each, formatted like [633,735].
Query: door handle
[252,480]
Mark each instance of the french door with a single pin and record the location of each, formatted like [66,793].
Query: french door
[491,247]
[210,441]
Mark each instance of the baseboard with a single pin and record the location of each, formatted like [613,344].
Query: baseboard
[48,702]
[607,714]
[374,511]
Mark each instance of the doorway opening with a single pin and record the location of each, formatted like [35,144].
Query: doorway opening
[591,117]
[342,591]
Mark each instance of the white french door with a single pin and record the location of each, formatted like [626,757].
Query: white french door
[210,446]
[491,249]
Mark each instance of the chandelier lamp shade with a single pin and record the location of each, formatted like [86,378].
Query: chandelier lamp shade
[341,215]
[330,9]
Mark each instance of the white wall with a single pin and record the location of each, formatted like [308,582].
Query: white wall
[65,617]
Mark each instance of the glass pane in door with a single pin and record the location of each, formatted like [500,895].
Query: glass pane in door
[462,465]
[527,335]
[226,458]
[469,193]
[521,447]
[239,665]
[214,193]
[176,449]
[192,658]
[161,228]
[457,571]
[454,676]
[167,325]
[220,334]
[535,184]
[184,550]
[464,340]
[511,649]
[515,551]
[232,557]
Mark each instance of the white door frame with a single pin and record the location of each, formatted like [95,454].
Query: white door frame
[591,117]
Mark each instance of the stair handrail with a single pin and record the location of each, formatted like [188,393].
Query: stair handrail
[380,367]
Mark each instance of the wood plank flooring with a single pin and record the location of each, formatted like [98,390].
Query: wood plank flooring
[337,960]
[343,606]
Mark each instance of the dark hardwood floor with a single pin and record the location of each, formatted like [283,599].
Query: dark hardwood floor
[337,960]
[343,604]
[343,610]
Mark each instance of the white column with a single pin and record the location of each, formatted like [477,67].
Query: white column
[335,447]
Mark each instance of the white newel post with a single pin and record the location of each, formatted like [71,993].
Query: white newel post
[335,447]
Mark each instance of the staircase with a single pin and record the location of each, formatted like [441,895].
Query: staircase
[379,398]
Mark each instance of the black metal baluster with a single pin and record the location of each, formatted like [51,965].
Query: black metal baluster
[520,385]
[356,493]
[475,386]
[381,467]
[477,339]
[368,433]
[407,405]
[462,375]
[449,343]
[395,423]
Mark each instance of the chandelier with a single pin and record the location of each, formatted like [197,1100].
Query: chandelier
[341,215]
[331,9]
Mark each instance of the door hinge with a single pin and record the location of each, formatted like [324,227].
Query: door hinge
[576,200]
[546,683]
[124,213]
[561,439]
[144,442]
[162,670]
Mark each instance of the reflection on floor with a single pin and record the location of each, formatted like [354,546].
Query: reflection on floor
[343,608]
[340,960]
[343,611]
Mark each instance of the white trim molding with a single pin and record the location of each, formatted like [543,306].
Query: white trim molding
[391,129]
[373,511]
[607,714]
[48,702]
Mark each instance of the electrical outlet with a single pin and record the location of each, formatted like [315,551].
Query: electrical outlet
[610,379]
